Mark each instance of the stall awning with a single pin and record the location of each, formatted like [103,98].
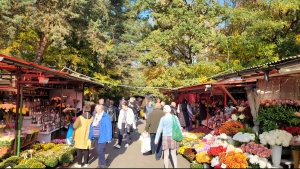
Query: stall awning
[286,66]
[29,68]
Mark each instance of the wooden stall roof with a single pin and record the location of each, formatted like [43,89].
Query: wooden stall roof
[12,65]
[285,67]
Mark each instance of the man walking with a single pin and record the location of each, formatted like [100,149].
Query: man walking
[113,112]
[151,128]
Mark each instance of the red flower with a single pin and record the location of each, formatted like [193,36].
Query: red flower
[218,166]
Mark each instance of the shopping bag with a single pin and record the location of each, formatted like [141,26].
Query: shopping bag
[142,113]
[145,143]
[176,133]
[69,136]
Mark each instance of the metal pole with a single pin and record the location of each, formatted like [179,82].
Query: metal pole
[17,120]
[61,96]
[21,122]
[75,103]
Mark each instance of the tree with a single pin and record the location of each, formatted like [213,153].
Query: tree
[54,22]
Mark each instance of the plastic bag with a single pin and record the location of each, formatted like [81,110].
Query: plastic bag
[145,143]
[69,138]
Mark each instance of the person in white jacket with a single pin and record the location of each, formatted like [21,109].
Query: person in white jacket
[125,122]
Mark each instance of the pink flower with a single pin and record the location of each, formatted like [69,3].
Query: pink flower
[204,140]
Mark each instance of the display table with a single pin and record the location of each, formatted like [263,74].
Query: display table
[27,121]
[37,126]
[46,136]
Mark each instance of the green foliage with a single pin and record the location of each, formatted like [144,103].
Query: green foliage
[37,165]
[51,162]
[65,158]
[22,166]
[275,116]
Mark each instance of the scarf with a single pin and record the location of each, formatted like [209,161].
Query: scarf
[97,119]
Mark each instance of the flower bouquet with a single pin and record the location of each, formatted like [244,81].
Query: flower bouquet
[59,141]
[202,146]
[6,109]
[189,154]
[255,161]
[203,157]
[241,138]
[233,160]
[23,110]
[256,149]
[295,143]
[276,137]
[230,128]
[215,151]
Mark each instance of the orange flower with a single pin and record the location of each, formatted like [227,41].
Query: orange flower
[230,128]
[234,160]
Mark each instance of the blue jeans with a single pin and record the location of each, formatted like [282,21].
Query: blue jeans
[100,148]
[134,116]
[156,148]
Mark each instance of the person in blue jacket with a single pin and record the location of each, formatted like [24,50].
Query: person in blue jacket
[101,133]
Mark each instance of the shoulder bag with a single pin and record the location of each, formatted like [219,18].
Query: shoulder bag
[176,131]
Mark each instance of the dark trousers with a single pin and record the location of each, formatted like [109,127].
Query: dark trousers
[85,153]
[100,148]
[123,131]
[156,148]
[113,127]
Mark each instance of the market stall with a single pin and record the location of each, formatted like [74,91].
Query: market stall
[273,142]
[37,101]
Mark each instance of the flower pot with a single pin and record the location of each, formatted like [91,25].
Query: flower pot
[4,150]
[296,158]
[7,119]
[65,164]
[276,155]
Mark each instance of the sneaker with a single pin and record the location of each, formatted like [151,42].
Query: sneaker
[77,166]
[117,146]
[86,165]
[126,145]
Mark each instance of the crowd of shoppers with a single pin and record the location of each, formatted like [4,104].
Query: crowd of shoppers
[100,123]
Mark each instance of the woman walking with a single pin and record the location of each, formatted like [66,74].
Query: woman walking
[101,133]
[125,122]
[168,144]
[82,128]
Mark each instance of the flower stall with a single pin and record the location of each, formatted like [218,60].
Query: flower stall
[34,98]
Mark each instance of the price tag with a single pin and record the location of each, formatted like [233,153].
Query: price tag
[252,137]
[223,165]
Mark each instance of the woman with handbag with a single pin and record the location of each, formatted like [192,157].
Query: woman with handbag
[171,135]
[82,128]
[125,122]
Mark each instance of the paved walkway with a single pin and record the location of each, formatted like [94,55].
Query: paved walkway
[132,157]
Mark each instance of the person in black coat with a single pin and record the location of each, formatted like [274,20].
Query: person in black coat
[114,114]
[203,113]
[185,112]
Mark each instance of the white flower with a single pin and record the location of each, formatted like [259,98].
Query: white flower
[278,141]
[285,143]
[234,117]
[269,165]
[223,136]
[253,159]
[262,164]
[241,116]
[215,161]
[272,142]
[263,142]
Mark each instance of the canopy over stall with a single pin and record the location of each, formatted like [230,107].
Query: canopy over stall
[18,74]
[275,80]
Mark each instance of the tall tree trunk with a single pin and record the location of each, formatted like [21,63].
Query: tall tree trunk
[42,43]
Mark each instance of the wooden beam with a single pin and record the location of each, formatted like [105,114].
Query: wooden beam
[227,92]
